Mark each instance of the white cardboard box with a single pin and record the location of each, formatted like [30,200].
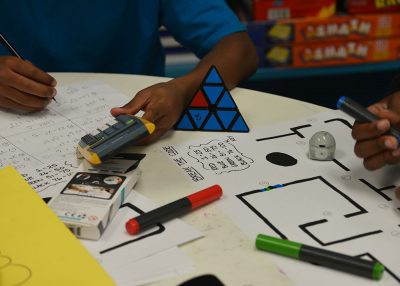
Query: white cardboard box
[91,198]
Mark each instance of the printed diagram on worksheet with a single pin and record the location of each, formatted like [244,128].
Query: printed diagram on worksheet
[271,186]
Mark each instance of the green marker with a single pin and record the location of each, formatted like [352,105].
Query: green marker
[330,259]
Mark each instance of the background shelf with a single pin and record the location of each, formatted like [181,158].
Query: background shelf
[366,83]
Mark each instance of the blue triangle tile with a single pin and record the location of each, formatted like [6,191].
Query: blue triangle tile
[199,115]
[185,123]
[213,92]
[213,76]
[240,125]
[212,124]
[226,117]
[226,101]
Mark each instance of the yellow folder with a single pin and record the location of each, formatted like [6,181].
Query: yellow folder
[36,248]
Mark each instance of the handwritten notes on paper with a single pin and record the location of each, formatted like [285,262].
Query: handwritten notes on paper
[42,146]
[35,246]
[49,178]
[217,156]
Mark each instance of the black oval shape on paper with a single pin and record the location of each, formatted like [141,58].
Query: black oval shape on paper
[281,159]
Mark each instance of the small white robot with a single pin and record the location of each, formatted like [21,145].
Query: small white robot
[322,146]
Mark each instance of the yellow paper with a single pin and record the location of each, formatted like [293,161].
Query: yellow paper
[36,248]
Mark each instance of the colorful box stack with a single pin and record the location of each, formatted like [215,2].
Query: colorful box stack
[297,33]
[338,40]
[372,6]
[261,10]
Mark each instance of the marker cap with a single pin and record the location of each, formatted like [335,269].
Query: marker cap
[205,196]
[340,102]
[132,226]
[378,270]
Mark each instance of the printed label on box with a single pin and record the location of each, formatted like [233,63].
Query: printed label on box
[102,186]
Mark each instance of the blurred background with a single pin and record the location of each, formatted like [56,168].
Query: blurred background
[315,51]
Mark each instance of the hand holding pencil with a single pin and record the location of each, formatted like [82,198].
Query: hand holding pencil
[22,85]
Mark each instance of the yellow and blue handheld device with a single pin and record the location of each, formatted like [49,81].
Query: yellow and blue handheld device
[125,130]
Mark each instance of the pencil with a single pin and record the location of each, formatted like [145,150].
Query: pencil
[10,48]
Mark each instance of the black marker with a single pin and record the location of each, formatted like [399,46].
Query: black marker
[173,210]
[360,113]
[354,265]
[12,50]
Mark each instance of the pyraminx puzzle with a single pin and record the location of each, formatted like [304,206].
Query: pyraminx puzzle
[212,108]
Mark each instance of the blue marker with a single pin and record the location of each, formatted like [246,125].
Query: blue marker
[360,113]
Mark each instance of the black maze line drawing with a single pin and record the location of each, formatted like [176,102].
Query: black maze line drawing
[379,191]
[135,210]
[318,187]
[296,132]
[330,213]
[265,202]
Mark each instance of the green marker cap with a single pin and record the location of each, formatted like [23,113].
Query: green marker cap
[277,245]
[378,270]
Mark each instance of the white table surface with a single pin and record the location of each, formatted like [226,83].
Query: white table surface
[225,250]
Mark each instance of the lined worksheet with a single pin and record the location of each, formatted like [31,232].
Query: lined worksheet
[29,139]
[42,147]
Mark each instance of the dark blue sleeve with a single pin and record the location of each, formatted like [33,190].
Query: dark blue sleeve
[395,84]
[199,24]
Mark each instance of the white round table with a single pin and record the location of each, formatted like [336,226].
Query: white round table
[225,250]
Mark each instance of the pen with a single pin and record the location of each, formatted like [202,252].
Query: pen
[12,50]
[360,113]
[173,210]
[327,258]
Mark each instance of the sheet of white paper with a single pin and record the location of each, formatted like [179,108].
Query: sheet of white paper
[116,247]
[271,186]
[165,264]
[53,134]
[49,179]
[42,145]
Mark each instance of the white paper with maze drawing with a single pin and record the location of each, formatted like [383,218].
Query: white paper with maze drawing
[337,205]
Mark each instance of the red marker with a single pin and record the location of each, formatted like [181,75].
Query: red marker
[173,210]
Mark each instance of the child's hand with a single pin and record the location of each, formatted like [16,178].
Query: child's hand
[163,104]
[24,86]
[372,144]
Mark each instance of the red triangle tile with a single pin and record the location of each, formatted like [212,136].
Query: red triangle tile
[199,100]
